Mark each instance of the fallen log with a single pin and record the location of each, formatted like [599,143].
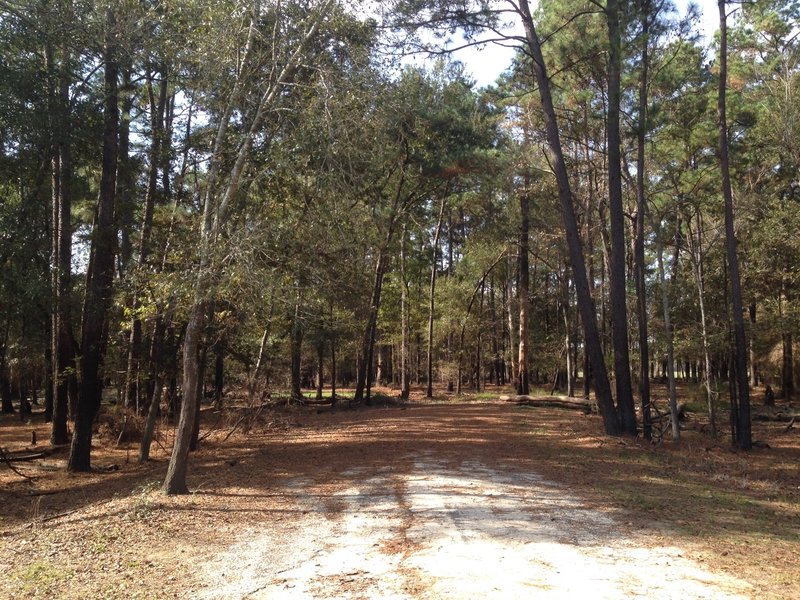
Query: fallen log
[775,416]
[586,406]
[24,455]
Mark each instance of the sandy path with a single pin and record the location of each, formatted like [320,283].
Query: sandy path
[439,530]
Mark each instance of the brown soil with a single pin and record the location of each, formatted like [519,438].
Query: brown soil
[302,477]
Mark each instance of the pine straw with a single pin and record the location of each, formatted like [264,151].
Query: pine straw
[113,534]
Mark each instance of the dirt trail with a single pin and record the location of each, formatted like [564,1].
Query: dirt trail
[424,501]
[449,524]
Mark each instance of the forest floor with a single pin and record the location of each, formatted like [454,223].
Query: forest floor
[442,499]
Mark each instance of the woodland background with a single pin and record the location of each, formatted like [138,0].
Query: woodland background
[198,196]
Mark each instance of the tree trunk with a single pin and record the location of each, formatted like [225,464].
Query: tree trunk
[333,370]
[194,441]
[155,401]
[567,334]
[429,389]
[100,275]
[697,256]
[605,399]
[61,328]
[253,382]
[753,371]
[743,425]
[219,371]
[641,212]
[320,368]
[126,170]
[787,370]
[404,334]
[512,329]
[48,378]
[297,347]
[673,403]
[135,351]
[523,293]
[175,481]
[364,375]
[619,311]
[5,380]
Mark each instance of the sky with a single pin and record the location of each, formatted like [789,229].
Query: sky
[487,63]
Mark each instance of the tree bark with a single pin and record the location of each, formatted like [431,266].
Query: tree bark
[699,275]
[605,399]
[565,314]
[523,293]
[333,366]
[153,411]
[743,432]
[61,329]
[619,310]
[641,212]
[157,108]
[753,371]
[100,276]
[364,375]
[673,403]
[320,368]
[431,302]
[219,370]
[296,351]
[513,331]
[405,387]
[175,481]
[216,207]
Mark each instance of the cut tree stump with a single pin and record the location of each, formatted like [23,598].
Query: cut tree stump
[581,404]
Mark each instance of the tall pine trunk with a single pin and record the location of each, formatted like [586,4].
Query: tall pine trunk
[100,276]
[619,310]
[605,398]
[523,293]
[641,212]
[62,341]
[696,250]
[513,331]
[431,302]
[135,350]
[404,334]
[665,303]
[740,395]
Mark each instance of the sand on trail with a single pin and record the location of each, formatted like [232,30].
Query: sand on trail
[434,528]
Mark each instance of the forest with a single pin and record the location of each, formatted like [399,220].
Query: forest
[271,198]
[291,307]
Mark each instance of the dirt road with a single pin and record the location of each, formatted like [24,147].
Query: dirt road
[429,511]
